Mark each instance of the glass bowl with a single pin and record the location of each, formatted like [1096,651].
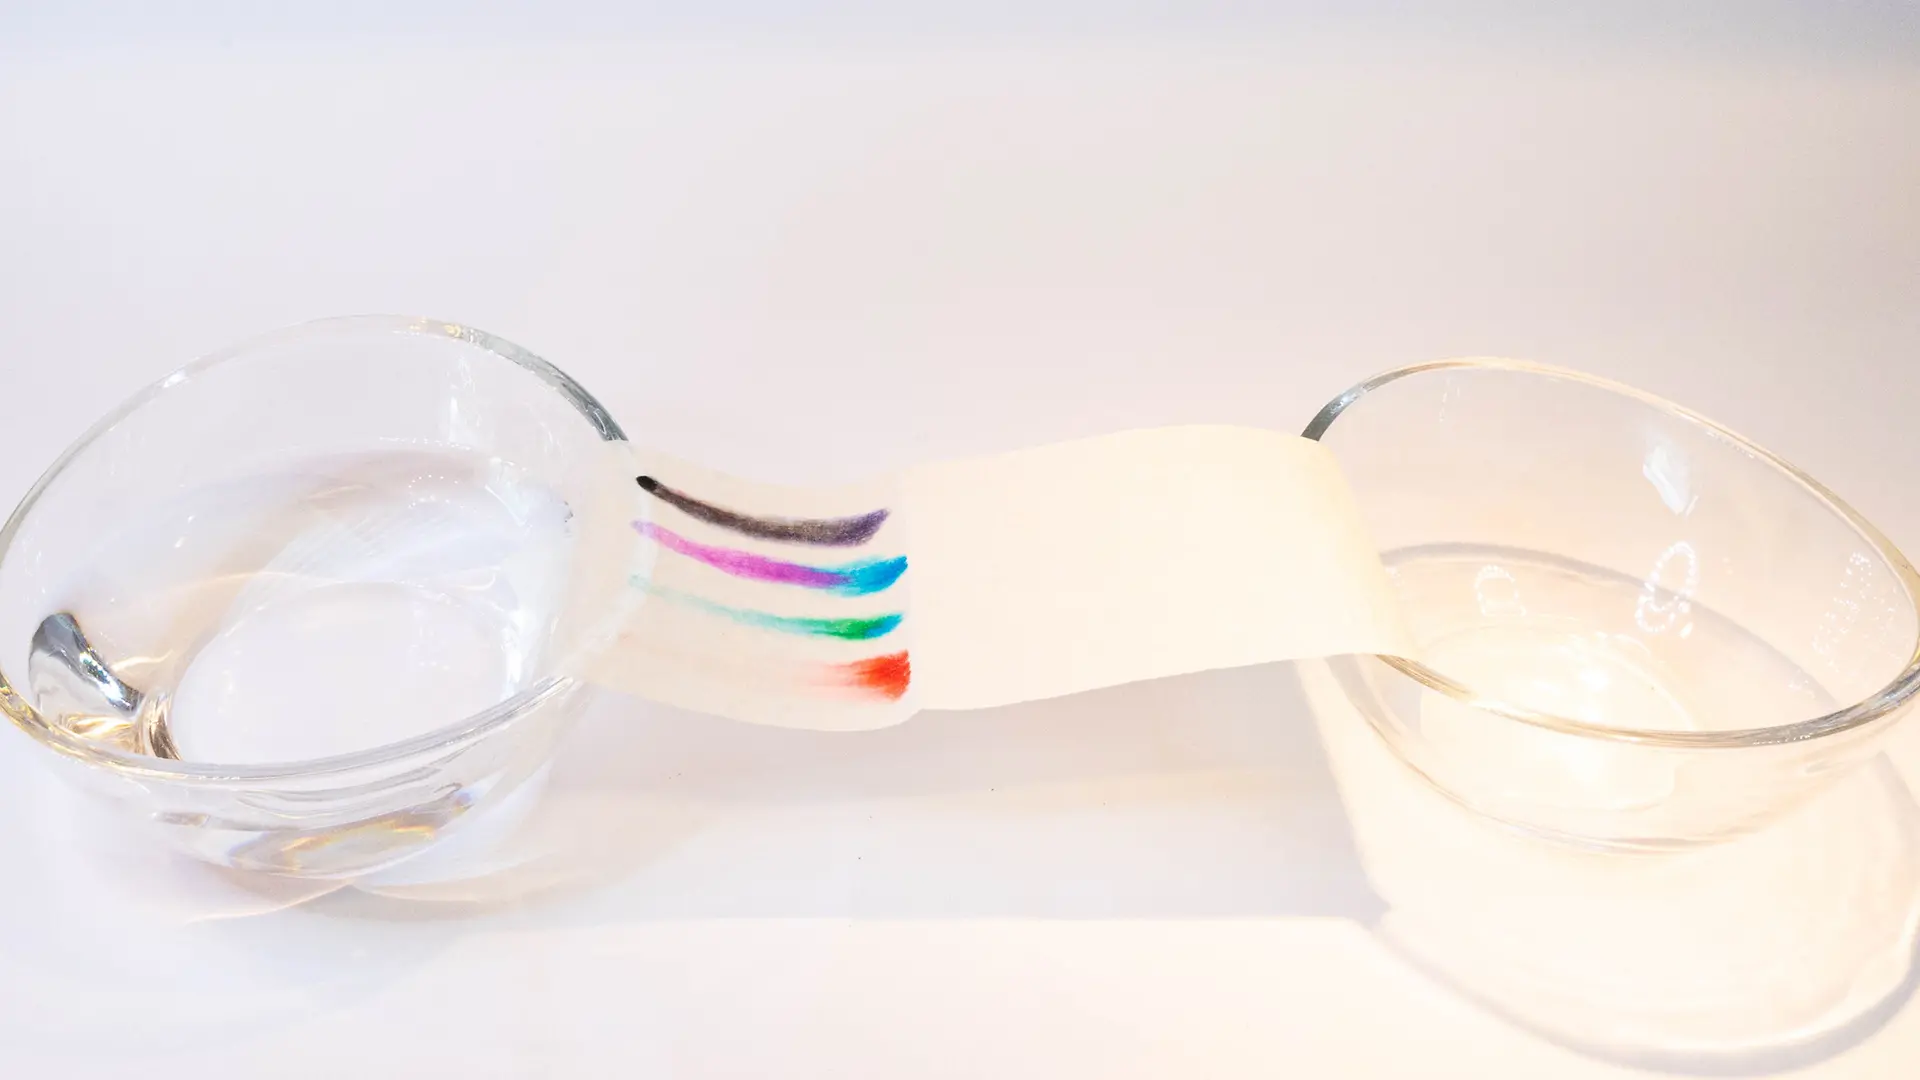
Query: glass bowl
[296,606]
[1633,628]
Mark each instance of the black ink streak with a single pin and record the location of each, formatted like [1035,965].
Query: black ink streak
[829,532]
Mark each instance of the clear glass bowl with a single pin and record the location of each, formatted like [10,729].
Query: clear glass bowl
[1633,627]
[295,605]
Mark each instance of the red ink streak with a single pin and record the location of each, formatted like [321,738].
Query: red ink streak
[886,675]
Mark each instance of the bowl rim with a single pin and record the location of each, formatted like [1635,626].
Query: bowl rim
[447,737]
[1880,704]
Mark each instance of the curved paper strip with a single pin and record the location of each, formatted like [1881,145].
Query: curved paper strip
[993,580]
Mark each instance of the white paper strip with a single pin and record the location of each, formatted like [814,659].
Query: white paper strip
[987,581]
[1135,556]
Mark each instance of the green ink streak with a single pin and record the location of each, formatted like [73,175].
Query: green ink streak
[844,629]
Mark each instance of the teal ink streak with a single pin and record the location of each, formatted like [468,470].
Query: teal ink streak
[844,629]
[871,576]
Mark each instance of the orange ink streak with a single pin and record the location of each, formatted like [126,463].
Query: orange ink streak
[886,675]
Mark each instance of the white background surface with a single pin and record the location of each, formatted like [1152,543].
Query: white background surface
[807,246]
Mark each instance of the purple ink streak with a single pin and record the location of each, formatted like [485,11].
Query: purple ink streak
[851,579]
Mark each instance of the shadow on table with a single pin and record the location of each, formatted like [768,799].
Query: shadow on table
[103,933]
[1249,793]
[1766,952]
[1200,796]
[1197,797]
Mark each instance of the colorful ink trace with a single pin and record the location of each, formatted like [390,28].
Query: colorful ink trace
[848,579]
[858,629]
[831,532]
[782,656]
[888,676]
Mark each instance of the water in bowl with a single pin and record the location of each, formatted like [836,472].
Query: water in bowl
[324,607]
[1533,632]
[1556,636]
